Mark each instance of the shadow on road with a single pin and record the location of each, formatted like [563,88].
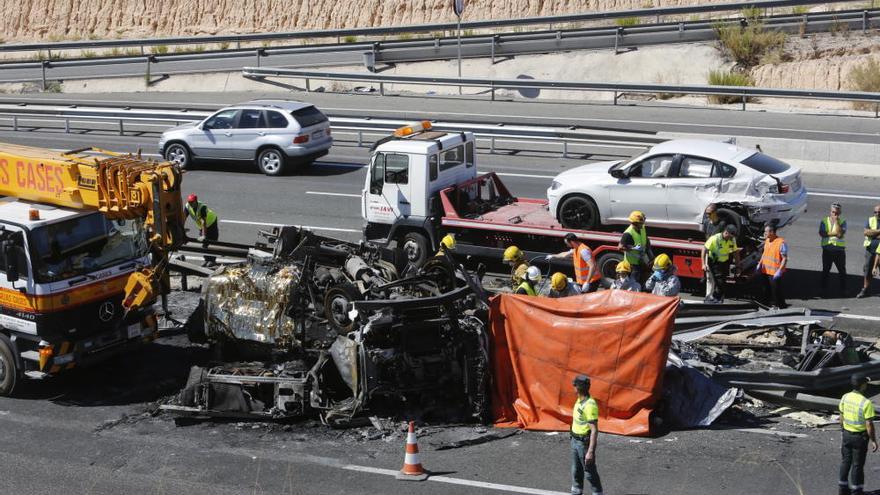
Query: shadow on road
[318,169]
[146,375]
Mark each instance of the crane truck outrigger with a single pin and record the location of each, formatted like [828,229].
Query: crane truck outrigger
[84,243]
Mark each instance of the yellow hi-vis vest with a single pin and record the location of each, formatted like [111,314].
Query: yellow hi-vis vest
[585,410]
[210,216]
[830,240]
[639,239]
[719,248]
[872,224]
[856,411]
[530,291]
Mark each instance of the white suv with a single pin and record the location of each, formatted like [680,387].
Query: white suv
[674,182]
[278,135]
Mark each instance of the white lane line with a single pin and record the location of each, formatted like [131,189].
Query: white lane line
[858,317]
[344,195]
[839,195]
[310,227]
[772,432]
[457,481]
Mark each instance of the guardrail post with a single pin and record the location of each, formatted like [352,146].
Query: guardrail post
[238,44]
[67,125]
[381,88]
[436,43]
[680,29]
[743,102]
[492,145]
[260,52]
[492,89]
[121,128]
[864,21]
[495,40]
[308,86]
[43,65]
[617,35]
[565,149]
[147,77]
[360,138]
[558,36]
[615,97]
[15,122]
[142,50]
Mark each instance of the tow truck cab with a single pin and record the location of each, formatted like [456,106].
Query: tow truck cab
[407,171]
[62,278]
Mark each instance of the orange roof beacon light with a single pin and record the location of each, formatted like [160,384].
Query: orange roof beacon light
[33,215]
[406,130]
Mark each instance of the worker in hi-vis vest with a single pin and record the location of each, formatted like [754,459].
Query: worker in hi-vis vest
[586,274]
[832,230]
[584,438]
[856,413]
[207,222]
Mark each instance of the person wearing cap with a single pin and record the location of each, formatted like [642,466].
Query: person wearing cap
[530,280]
[515,258]
[872,249]
[774,259]
[584,438]
[624,280]
[663,281]
[713,223]
[207,222]
[635,245]
[832,230]
[447,245]
[561,287]
[585,272]
[715,256]
[856,413]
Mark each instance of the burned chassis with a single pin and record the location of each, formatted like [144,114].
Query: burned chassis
[406,347]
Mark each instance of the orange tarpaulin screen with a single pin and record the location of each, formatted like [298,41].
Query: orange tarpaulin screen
[619,339]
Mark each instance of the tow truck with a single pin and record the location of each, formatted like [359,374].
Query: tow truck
[84,243]
[422,184]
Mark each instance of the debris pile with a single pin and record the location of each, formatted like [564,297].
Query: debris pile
[322,326]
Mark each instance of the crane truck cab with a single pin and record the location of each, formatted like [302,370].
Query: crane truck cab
[407,171]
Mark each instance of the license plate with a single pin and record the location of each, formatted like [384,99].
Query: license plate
[317,134]
[134,330]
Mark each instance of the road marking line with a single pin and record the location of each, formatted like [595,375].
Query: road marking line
[839,195]
[772,432]
[457,481]
[310,227]
[344,195]
[858,317]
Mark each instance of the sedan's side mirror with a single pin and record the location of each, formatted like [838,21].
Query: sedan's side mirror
[205,126]
[618,173]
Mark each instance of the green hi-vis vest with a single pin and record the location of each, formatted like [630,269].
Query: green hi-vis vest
[872,224]
[585,410]
[830,240]
[530,291]
[210,216]
[639,239]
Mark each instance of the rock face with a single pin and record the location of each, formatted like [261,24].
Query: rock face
[78,19]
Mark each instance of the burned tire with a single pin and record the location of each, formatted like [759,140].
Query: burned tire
[578,213]
[441,272]
[337,304]
[731,217]
[415,248]
[607,266]
[8,367]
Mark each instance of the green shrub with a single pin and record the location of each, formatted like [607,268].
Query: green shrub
[159,50]
[800,10]
[132,52]
[748,45]
[405,36]
[865,77]
[627,21]
[224,45]
[752,14]
[728,78]
[349,39]
[87,54]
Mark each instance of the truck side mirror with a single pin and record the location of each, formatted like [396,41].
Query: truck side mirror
[10,264]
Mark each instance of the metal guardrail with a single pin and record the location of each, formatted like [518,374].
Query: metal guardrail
[125,119]
[493,85]
[418,28]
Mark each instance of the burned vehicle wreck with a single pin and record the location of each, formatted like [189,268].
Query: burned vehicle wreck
[328,328]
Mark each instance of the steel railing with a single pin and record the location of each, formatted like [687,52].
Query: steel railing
[127,120]
[617,88]
[419,28]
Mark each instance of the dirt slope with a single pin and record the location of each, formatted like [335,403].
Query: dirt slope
[77,19]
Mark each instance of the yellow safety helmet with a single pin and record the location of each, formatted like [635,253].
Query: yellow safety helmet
[558,281]
[623,267]
[512,254]
[636,216]
[662,262]
[448,242]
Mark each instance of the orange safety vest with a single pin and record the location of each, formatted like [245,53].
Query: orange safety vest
[771,260]
[582,268]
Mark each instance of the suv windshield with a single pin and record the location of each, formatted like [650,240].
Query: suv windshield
[84,244]
[308,116]
[765,164]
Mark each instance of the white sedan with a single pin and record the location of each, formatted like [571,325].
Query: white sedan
[674,182]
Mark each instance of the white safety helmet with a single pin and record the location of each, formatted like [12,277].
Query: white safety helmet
[533,274]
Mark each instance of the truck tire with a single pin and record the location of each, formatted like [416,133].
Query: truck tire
[607,265]
[578,213]
[415,248]
[178,153]
[272,161]
[337,304]
[731,217]
[8,367]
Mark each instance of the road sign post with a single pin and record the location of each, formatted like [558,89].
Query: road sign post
[458,8]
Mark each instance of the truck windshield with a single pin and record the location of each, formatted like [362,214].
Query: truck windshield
[84,244]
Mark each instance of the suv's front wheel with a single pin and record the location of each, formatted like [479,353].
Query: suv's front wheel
[271,161]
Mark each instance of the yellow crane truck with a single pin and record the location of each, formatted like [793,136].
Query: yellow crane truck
[84,243]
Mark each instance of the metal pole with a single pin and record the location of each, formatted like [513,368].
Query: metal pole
[360,138]
[121,128]
[43,65]
[258,56]
[492,145]
[148,72]
[565,149]
[744,102]
[492,48]
[15,122]
[382,88]
[308,87]
[492,89]
[459,52]
[67,125]
[864,21]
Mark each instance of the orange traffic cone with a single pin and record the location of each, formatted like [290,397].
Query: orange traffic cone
[412,465]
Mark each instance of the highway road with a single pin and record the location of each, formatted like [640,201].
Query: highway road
[96,431]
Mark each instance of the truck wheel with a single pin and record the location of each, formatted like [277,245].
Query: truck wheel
[415,248]
[607,266]
[337,304]
[272,162]
[179,154]
[579,213]
[8,368]
[731,217]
